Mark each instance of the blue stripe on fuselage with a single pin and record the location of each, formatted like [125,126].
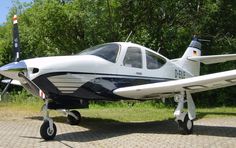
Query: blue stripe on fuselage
[101,87]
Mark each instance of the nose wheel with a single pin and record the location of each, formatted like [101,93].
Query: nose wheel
[48,129]
[47,132]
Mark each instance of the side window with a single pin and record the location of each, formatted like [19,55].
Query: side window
[133,57]
[154,61]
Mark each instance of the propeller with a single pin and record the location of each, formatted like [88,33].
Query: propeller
[16,50]
[16,40]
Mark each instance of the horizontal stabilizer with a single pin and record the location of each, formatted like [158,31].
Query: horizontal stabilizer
[13,82]
[213,59]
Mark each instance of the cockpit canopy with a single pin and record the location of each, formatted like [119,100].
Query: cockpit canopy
[133,55]
[106,51]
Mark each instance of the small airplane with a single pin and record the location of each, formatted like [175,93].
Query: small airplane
[115,71]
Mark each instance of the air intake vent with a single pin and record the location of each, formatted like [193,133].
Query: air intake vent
[35,70]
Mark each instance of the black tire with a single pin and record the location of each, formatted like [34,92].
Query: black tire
[73,121]
[185,127]
[45,132]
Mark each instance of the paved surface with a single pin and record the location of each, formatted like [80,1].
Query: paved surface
[24,132]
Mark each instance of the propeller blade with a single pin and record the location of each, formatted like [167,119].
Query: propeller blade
[16,49]
[16,40]
[5,89]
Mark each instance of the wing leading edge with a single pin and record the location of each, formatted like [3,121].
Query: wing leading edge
[193,85]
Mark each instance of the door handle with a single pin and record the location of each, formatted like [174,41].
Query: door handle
[138,73]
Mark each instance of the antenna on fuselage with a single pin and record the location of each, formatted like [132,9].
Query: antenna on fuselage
[200,39]
[128,36]
[160,44]
[158,50]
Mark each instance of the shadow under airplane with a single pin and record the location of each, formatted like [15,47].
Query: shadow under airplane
[99,129]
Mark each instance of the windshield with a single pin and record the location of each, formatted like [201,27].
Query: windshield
[106,51]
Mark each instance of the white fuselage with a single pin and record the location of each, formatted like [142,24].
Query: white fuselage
[72,75]
[97,65]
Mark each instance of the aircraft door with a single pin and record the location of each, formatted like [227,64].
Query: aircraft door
[133,62]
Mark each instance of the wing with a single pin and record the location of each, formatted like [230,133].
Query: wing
[193,85]
[214,58]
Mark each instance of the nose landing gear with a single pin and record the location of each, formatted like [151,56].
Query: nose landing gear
[47,132]
[48,129]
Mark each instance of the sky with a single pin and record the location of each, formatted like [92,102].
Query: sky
[5,5]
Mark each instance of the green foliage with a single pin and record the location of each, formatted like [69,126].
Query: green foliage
[21,97]
[53,27]
[129,104]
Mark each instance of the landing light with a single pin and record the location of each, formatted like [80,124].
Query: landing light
[35,70]
[195,87]
[231,80]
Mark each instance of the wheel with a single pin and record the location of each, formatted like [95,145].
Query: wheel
[45,131]
[72,120]
[185,127]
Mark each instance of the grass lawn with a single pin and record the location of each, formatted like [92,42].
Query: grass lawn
[122,112]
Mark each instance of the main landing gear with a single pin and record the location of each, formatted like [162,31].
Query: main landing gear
[73,117]
[183,119]
[48,129]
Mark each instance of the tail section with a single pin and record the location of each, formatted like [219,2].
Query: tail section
[190,66]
